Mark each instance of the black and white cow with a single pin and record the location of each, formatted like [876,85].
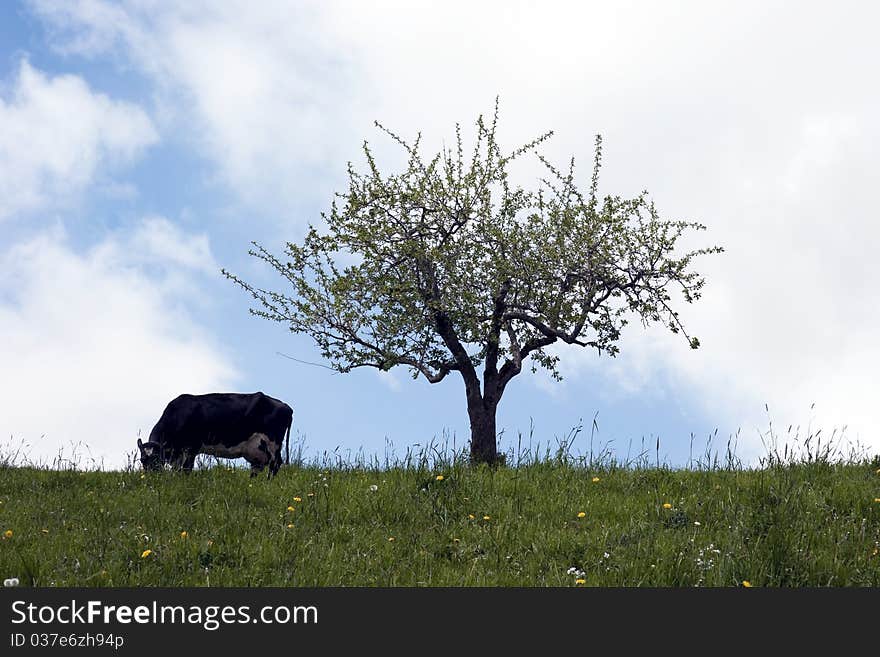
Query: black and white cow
[229,425]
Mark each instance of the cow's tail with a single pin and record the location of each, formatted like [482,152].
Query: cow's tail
[287,441]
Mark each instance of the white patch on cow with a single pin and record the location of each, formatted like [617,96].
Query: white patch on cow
[248,449]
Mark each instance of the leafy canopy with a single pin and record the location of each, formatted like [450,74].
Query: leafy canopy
[451,267]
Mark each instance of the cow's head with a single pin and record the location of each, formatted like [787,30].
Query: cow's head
[151,459]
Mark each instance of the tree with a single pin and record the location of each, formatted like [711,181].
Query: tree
[446,267]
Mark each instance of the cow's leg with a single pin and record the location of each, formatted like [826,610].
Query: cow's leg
[189,461]
[176,459]
[275,463]
[266,457]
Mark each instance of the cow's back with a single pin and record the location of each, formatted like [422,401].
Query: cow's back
[219,416]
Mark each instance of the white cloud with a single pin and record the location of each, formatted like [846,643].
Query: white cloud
[389,379]
[93,347]
[786,318]
[157,239]
[754,119]
[259,88]
[55,137]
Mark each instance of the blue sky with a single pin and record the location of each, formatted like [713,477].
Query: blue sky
[143,145]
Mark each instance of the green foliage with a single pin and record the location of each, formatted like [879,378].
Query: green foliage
[446,266]
[809,524]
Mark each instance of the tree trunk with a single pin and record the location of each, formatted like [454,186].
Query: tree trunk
[483,436]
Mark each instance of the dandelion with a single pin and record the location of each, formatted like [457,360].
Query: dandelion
[439,477]
[45,531]
[297,499]
[458,540]
[9,583]
[7,533]
[877,499]
[582,515]
[470,516]
[596,480]
[580,581]
[183,534]
[390,539]
[487,517]
[310,495]
[667,505]
[146,553]
[374,488]
[747,584]
[142,476]
[290,525]
[290,508]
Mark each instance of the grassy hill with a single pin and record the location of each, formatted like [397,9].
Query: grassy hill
[544,524]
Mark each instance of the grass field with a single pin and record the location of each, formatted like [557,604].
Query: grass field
[551,523]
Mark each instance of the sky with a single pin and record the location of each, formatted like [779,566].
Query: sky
[144,145]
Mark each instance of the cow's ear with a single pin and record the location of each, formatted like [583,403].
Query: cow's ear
[140,445]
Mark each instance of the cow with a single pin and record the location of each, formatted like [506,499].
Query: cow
[229,425]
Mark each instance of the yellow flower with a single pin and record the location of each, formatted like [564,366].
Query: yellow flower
[747,584]
[290,526]
[487,517]
[582,515]
[667,505]
[458,540]
[877,499]
[146,553]
[580,582]
[439,477]
[7,533]
[142,476]
[311,495]
[297,499]
[878,471]
[470,516]
[183,534]
[390,539]
[290,508]
[595,480]
[45,531]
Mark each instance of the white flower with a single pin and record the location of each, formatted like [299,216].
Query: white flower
[696,523]
[9,583]
[374,488]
